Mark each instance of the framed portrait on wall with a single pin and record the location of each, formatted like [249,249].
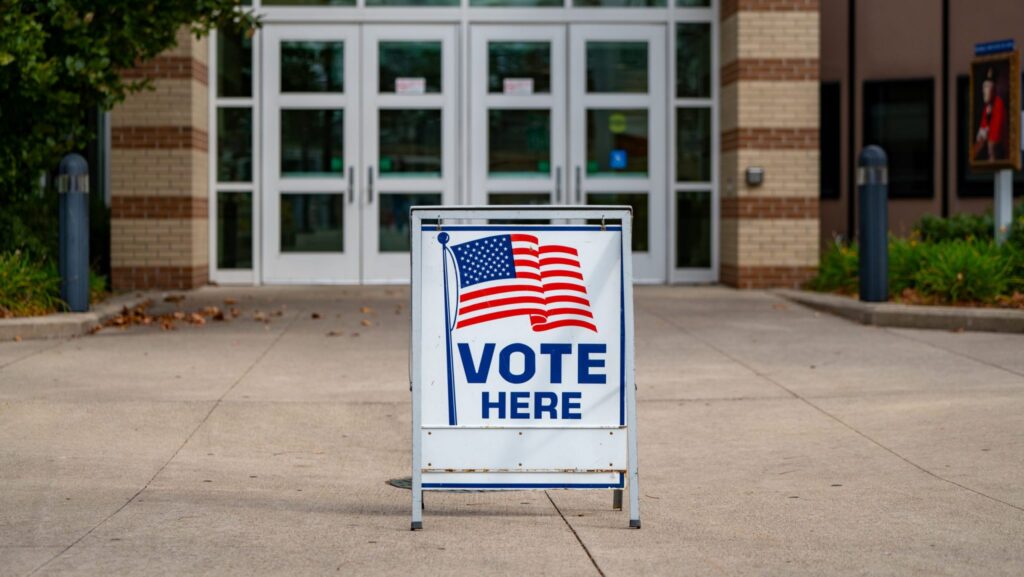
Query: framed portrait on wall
[995,112]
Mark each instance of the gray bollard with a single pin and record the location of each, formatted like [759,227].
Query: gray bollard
[73,186]
[873,232]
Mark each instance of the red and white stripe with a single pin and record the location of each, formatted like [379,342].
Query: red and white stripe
[548,288]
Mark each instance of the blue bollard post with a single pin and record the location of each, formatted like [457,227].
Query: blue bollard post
[873,232]
[73,187]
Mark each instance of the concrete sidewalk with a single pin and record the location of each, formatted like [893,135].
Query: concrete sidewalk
[773,441]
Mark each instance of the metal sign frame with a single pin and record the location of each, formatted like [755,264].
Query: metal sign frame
[440,217]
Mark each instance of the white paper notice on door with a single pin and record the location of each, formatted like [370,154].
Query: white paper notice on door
[410,85]
[518,86]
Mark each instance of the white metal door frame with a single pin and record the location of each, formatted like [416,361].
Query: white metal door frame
[320,268]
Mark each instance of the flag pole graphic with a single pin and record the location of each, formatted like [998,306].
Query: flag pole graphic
[452,419]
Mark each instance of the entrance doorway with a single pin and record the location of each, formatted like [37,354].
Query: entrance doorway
[573,114]
[359,125]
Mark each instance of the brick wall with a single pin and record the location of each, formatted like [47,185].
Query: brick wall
[769,118]
[159,166]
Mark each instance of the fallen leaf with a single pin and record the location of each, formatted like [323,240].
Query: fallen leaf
[314,316]
[235,312]
[333,334]
[366,322]
[230,302]
[17,338]
[178,315]
[174,298]
[366,310]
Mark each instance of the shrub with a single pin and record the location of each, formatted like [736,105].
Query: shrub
[962,272]
[26,288]
[838,271]
[905,258]
[957,227]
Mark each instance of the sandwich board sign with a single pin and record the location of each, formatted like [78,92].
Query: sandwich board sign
[522,351]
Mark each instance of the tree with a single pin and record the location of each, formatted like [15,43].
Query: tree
[61,59]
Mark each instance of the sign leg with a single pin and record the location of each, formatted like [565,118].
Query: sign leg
[1003,209]
[417,504]
[617,499]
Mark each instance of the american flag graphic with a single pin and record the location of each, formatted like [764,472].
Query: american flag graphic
[514,275]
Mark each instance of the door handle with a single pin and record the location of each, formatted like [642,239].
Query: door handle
[351,184]
[579,186]
[558,184]
[369,185]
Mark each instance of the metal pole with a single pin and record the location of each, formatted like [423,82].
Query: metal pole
[873,232]
[1003,213]
[73,261]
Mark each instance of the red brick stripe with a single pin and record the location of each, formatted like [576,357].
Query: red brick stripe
[168,67]
[158,137]
[158,277]
[730,7]
[770,139]
[158,207]
[760,277]
[770,69]
[746,207]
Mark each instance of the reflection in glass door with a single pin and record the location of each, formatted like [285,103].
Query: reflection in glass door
[409,88]
[310,139]
[617,119]
[518,95]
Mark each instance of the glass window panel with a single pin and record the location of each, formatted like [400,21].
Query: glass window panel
[520,198]
[640,215]
[312,143]
[393,233]
[234,145]
[830,121]
[312,66]
[412,2]
[309,2]
[234,230]
[619,67]
[693,230]
[619,3]
[516,3]
[312,222]
[693,60]
[517,60]
[234,65]
[410,60]
[693,144]
[693,3]
[617,142]
[898,116]
[519,142]
[410,143]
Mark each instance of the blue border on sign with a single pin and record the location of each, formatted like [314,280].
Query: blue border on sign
[621,484]
[622,355]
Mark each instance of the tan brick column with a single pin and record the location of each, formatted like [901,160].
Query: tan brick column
[769,118]
[159,179]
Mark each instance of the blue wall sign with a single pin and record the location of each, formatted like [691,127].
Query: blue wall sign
[995,47]
[617,159]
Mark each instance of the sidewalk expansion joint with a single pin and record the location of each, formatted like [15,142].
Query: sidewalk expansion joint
[811,404]
[188,438]
[576,535]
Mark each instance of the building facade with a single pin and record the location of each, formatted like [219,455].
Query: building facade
[294,155]
[904,66]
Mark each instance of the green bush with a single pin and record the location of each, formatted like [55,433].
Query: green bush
[905,256]
[964,272]
[957,227]
[26,288]
[838,271]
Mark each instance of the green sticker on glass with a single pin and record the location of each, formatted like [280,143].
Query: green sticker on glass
[616,123]
[592,166]
[336,164]
[543,166]
[385,164]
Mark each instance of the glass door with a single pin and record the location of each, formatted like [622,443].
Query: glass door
[311,151]
[518,94]
[617,131]
[409,92]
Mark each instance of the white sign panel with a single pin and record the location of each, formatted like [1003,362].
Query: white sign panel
[522,351]
[517,86]
[410,85]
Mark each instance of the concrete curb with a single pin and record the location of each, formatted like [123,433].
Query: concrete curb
[910,316]
[66,325]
